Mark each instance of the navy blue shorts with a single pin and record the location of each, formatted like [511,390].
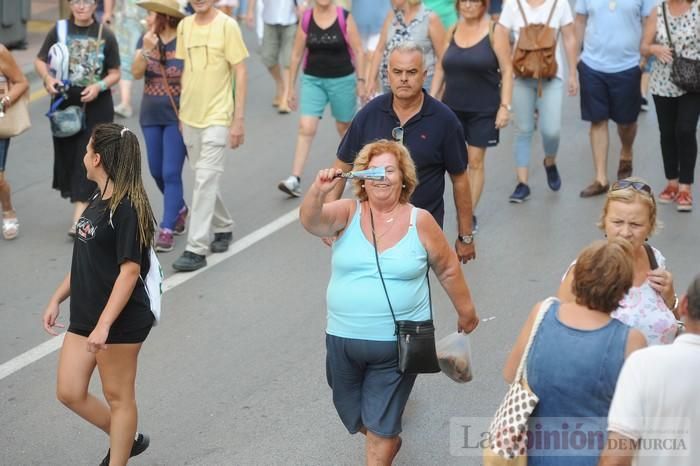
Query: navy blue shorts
[4,146]
[368,389]
[610,96]
[479,128]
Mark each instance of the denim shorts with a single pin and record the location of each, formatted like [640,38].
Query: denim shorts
[4,147]
[479,128]
[341,93]
[610,96]
[368,389]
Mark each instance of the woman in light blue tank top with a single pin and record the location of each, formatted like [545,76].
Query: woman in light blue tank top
[361,359]
[575,359]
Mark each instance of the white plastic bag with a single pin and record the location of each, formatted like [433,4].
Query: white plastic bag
[455,357]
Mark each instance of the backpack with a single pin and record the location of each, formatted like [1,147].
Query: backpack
[58,53]
[535,55]
[306,20]
[153,282]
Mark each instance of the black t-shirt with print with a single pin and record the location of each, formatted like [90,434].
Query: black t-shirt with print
[80,42]
[98,251]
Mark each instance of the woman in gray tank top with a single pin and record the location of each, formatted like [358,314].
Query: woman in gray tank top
[409,21]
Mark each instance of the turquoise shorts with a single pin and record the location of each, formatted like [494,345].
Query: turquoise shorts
[316,93]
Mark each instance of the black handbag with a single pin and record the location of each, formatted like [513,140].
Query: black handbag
[685,72]
[415,339]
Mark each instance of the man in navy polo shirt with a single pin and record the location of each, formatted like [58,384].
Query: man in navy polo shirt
[431,132]
[610,78]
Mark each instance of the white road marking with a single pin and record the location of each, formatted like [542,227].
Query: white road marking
[25,359]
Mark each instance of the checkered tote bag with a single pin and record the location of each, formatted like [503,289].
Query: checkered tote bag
[508,431]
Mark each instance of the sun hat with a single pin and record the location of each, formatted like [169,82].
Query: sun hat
[172,8]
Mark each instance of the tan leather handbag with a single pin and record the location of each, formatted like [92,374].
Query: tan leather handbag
[15,119]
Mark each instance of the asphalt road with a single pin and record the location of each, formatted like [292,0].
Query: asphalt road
[235,373]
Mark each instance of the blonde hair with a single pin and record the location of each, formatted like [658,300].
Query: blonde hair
[120,157]
[603,274]
[414,2]
[403,158]
[630,195]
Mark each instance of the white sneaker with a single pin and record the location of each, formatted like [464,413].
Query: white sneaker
[123,111]
[290,186]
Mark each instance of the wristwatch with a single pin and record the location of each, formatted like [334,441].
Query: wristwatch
[466,239]
[507,107]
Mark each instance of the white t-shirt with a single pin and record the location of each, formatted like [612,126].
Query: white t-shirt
[512,19]
[657,398]
[282,12]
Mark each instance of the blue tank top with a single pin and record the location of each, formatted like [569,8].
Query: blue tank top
[472,77]
[574,373]
[357,306]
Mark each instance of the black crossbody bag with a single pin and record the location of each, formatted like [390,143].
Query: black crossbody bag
[415,339]
[685,72]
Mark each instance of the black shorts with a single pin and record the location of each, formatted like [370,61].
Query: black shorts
[479,128]
[116,336]
[610,96]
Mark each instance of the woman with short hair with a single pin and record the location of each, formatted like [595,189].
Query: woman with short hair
[651,303]
[576,355]
[379,227]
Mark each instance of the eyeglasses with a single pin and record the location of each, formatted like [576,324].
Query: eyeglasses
[636,185]
[397,134]
[472,2]
[82,2]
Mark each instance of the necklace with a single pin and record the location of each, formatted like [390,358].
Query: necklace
[390,221]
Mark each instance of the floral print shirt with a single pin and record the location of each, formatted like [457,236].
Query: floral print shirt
[684,34]
[644,309]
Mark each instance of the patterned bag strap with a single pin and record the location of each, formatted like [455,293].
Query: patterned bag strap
[521,373]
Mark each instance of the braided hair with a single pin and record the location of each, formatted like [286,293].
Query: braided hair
[121,159]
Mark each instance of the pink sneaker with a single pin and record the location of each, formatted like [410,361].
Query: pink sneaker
[684,201]
[181,222]
[166,241]
[668,195]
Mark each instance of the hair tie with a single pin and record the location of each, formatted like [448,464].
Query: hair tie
[125,129]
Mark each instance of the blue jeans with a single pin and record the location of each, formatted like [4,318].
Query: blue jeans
[525,101]
[166,156]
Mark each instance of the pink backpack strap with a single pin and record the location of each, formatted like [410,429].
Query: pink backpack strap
[344,28]
[306,19]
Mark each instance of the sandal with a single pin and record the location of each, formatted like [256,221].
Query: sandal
[10,225]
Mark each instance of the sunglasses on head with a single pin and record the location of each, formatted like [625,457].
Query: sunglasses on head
[636,185]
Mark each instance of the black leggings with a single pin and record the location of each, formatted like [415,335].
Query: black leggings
[678,120]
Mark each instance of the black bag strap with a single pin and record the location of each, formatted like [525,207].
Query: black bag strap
[668,31]
[386,293]
[652,257]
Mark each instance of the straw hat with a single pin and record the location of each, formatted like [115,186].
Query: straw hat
[166,7]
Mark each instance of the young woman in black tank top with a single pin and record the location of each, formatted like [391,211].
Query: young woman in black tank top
[475,79]
[329,48]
